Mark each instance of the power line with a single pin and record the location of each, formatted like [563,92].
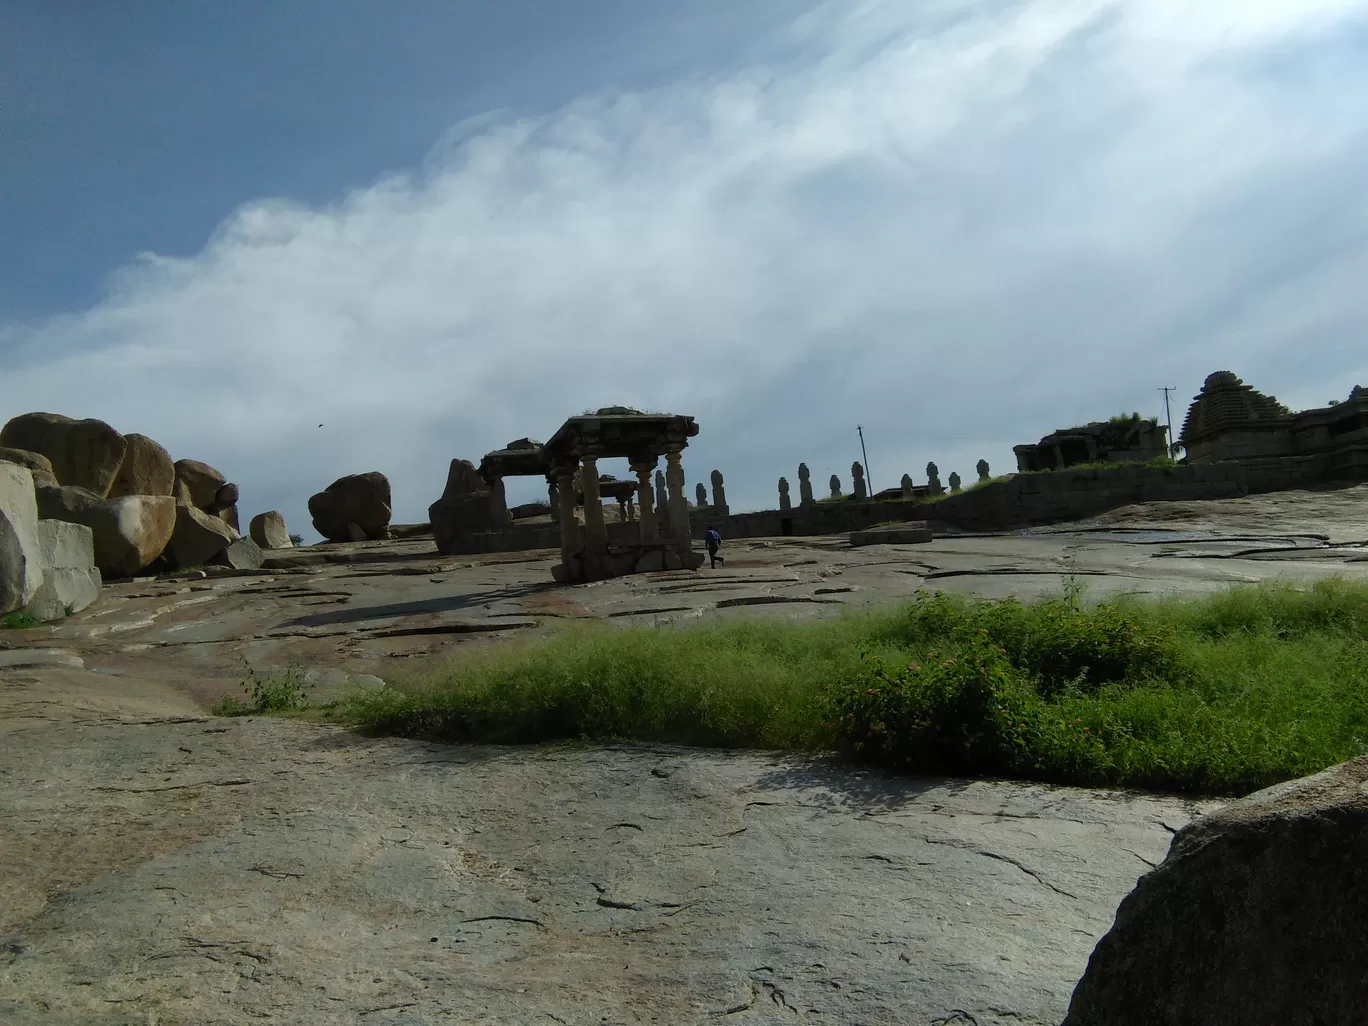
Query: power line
[869,481]
[1168,418]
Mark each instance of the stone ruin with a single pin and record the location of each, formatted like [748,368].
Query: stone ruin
[835,485]
[858,481]
[701,494]
[805,497]
[785,503]
[641,439]
[982,469]
[954,483]
[719,495]
[1119,440]
[906,486]
[1229,420]
[933,484]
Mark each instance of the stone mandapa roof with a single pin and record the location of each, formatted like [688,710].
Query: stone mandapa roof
[1226,402]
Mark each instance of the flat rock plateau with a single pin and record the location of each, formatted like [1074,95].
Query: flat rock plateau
[166,866]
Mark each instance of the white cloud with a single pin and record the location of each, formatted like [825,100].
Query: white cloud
[961,227]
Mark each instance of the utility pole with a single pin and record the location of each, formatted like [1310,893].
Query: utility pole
[1168,417]
[869,483]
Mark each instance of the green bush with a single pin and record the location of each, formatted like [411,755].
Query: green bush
[284,692]
[1217,695]
[18,621]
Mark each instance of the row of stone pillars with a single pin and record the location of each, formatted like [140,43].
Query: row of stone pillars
[595,551]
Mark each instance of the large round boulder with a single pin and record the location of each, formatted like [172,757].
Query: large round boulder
[147,469]
[83,453]
[38,464]
[1259,914]
[130,532]
[362,500]
[196,484]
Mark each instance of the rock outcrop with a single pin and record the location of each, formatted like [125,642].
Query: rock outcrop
[1259,914]
[198,538]
[466,507]
[83,453]
[70,579]
[129,532]
[268,530]
[147,469]
[21,569]
[362,500]
[38,464]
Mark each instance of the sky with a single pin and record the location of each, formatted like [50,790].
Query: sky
[302,240]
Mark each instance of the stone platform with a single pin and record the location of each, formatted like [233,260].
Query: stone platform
[162,864]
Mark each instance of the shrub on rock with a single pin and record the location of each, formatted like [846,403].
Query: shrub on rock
[1259,914]
[83,453]
[360,499]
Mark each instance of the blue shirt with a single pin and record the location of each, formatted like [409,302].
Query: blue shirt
[714,539]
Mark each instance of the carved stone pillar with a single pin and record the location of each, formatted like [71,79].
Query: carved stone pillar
[679,507]
[553,493]
[595,530]
[650,531]
[662,503]
[562,486]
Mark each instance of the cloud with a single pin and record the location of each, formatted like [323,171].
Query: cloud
[960,227]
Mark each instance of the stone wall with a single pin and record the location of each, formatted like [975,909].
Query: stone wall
[1062,496]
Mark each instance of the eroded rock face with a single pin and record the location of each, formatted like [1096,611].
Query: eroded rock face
[38,464]
[1258,914]
[83,453]
[360,499]
[130,532]
[198,538]
[147,469]
[268,530]
[70,579]
[21,568]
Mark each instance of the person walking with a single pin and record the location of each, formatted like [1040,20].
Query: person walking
[714,541]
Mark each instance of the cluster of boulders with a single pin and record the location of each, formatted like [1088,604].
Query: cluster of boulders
[140,509]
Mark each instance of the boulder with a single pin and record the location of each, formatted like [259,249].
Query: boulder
[530,509]
[83,453]
[360,499]
[21,566]
[1259,914]
[196,484]
[243,554]
[268,530]
[38,464]
[147,469]
[70,579]
[129,533]
[466,507]
[198,538]
[224,505]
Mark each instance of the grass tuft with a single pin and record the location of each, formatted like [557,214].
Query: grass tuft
[1220,695]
